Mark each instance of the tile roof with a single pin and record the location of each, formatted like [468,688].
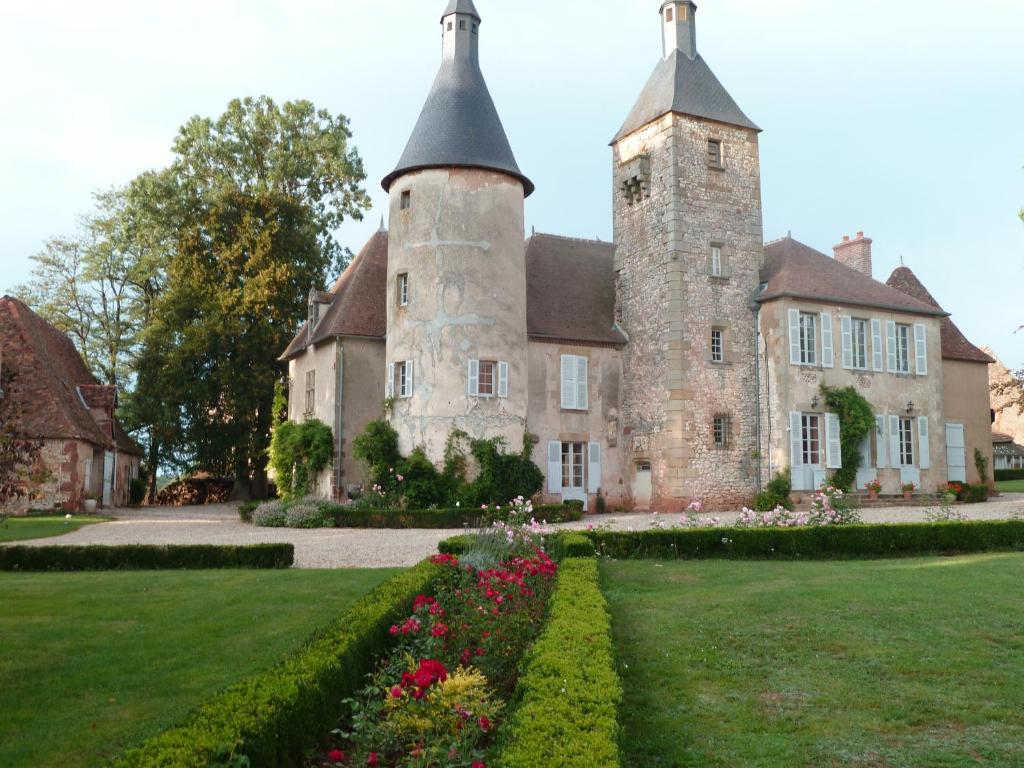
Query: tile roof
[570,290]
[955,345]
[687,86]
[1001,437]
[53,377]
[794,270]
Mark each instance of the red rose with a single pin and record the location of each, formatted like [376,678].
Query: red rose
[484,723]
[372,759]
[336,756]
[396,692]
[439,630]
[477,764]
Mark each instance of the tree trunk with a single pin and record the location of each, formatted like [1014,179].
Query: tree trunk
[154,467]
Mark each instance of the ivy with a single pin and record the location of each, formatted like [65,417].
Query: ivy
[298,452]
[856,420]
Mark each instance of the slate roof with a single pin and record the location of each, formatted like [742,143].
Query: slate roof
[459,126]
[358,299]
[794,270]
[955,345]
[56,384]
[570,290]
[687,86]
[461,6]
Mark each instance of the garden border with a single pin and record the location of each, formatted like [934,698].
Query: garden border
[143,557]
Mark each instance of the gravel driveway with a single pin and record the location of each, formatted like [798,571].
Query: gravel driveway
[349,548]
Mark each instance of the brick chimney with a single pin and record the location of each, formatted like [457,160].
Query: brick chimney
[855,253]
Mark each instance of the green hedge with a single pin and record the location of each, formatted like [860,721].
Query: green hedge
[137,557]
[567,701]
[245,510]
[559,545]
[1009,474]
[274,717]
[975,494]
[852,541]
[455,517]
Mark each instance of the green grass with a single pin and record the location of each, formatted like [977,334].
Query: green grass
[25,528]
[94,662]
[1010,486]
[867,664]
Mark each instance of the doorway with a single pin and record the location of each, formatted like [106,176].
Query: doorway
[642,485]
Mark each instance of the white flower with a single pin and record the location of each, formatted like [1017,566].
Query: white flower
[67,516]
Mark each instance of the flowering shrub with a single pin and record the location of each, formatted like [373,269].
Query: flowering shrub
[307,515]
[831,506]
[874,486]
[780,517]
[270,514]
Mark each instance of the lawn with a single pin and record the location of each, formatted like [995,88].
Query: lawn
[24,528]
[868,664]
[93,662]
[1010,486]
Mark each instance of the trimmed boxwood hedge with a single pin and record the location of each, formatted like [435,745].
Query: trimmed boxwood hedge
[558,545]
[139,557]
[1009,474]
[847,541]
[566,706]
[455,517]
[271,718]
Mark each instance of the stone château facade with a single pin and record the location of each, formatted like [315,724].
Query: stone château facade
[682,362]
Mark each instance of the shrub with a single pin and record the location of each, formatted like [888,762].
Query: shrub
[569,694]
[981,464]
[307,515]
[298,452]
[360,516]
[246,509]
[421,485]
[1009,474]
[269,719]
[137,488]
[501,476]
[776,493]
[377,448]
[270,514]
[559,545]
[137,557]
[848,541]
[856,420]
[975,494]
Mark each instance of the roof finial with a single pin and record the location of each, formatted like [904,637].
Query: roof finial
[382,227]
[901,261]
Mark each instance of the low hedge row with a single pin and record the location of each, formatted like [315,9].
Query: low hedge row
[1009,474]
[456,517]
[824,542]
[559,545]
[270,718]
[138,557]
[567,701]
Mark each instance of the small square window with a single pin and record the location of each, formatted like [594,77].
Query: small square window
[449,26]
[668,15]
[462,24]
[721,427]
[406,200]
[714,153]
[403,289]
[717,345]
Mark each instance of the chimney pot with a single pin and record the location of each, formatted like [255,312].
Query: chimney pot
[855,254]
[860,235]
[846,238]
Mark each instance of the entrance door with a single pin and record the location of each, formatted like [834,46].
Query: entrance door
[642,486]
[108,479]
[867,471]
[956,455]
[572,472]
[810,474]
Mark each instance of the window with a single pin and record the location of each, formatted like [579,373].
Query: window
[574,383]
[906,443]
[488,378]
[668,15]
[310,391]
[406,203]
[485,379]
[572,465]
[449,26]
[462,24]
[403,289]
[808,339]
[811,439]
[475,28]
[716,261]
[859,340]
[717,345]
[714,153]
[403,379]
[902,348]
[721,427]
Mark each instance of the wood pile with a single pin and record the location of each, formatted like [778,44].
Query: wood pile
[195,490]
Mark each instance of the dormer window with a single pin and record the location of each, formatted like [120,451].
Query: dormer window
[406,200]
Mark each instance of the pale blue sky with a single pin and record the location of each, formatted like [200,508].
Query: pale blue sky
[903,118]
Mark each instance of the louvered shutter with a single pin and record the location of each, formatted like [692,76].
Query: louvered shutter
[593,467]
[833,445]
[846,329]
[827,348]
[474,378]
[408,379]
[923,449]
[389,385]
[794,336]
[921,348]
[895,459]
[582,401]
[876,344]
[795,440]
[568,382]
[502,379]
[554,467]
[880,443]
[890,336]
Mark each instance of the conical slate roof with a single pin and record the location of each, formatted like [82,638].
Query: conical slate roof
[461,6]
[459,126]
[687,86]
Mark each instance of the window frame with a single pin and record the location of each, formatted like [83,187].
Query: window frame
[405,200]
[906,442]
[718,345]
[577,386]
[808,330]
[716,158]
[721,429]
[403,289]
[492,366]
[402,382]
[717,265]
[310,398]
[862,324]
[903,342]
[811,436]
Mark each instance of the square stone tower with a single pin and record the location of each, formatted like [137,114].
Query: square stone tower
[687,218]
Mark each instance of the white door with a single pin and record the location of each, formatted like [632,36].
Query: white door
[572,472]
[867,471]
[108,479]
[642,485]
[956,455]
[811,474]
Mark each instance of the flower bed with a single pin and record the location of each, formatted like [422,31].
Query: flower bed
[139,557]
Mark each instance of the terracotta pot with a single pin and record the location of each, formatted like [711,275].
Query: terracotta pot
[908,495]
[873,495]
[89,506]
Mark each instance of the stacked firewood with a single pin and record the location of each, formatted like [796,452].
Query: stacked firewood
[195,490]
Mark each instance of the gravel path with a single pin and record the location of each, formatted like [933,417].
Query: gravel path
[349,548]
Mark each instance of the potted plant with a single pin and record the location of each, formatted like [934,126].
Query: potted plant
[908,490]
[873,487]
[89,503]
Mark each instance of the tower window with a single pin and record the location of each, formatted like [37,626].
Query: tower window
[406,203]
[721,426]
[716,269]
[717,345]
[475,28]
[714,153]
[449,26]
[462,24]
[668,15]
[403,289]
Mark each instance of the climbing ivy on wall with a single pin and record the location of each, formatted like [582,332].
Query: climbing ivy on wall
[856,419]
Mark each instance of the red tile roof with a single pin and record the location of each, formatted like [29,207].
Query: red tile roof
[955,345]
[794,270]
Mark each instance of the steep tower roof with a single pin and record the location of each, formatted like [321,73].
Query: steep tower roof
[682,82]
[459,126]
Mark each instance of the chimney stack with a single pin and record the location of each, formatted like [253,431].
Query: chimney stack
[855,253]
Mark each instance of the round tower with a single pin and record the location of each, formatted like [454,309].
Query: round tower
[456,331]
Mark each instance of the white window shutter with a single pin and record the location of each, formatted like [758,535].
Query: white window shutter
[568,383]
[923,448]
[796,444]
[502,379]
[846,329]
[876,344]
[895,460]
[880,443]
[794,336]
[554,467]
[827,348]
[833,445]
[474,378]
[408,379]
[890,334]
[582,401]
[593,467]
[921,348]
[389,385]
